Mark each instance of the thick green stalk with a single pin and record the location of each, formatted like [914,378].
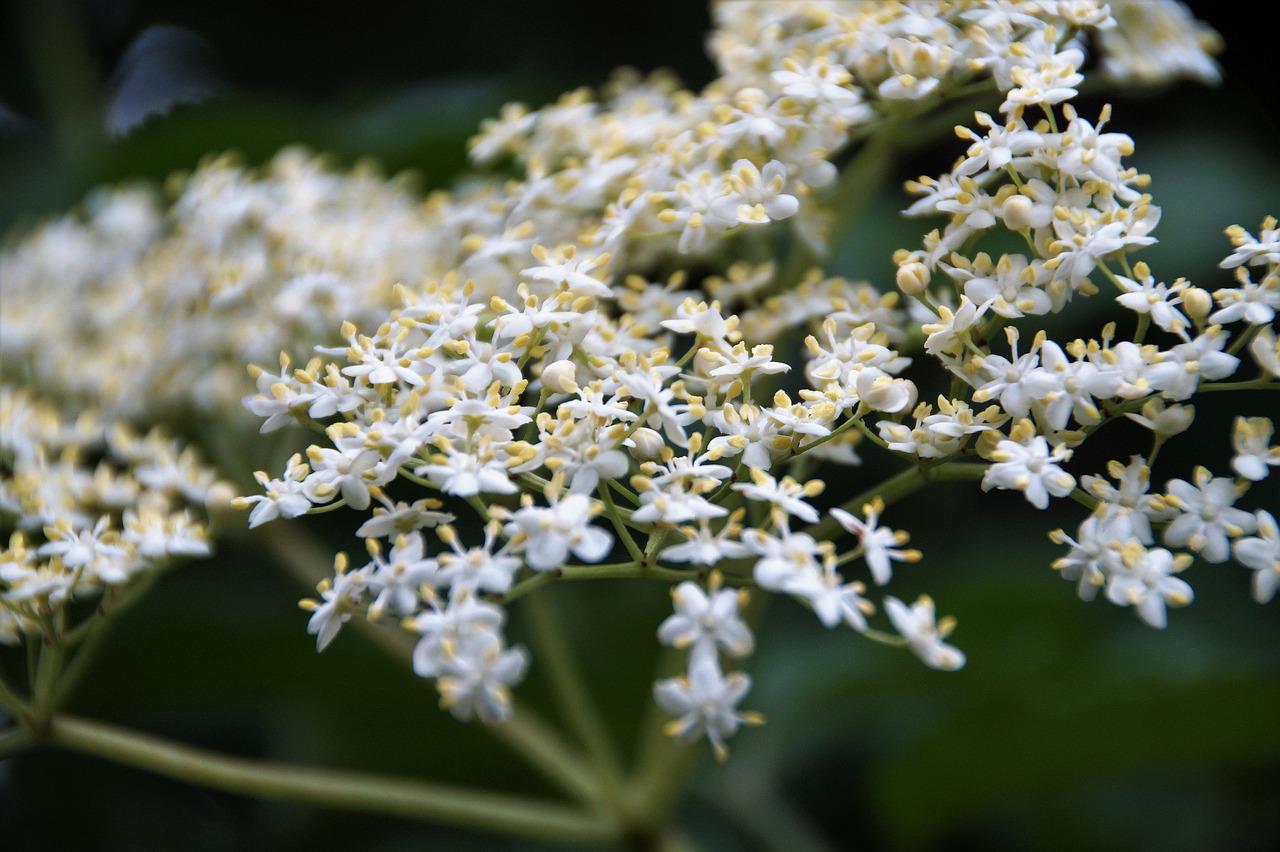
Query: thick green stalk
[332,788]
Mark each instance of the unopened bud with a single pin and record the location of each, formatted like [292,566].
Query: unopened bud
[646,444]
[1017,212]
[1198,303]
[560,377]
[913,278]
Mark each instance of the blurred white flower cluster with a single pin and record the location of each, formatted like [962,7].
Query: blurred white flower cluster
[94,508]
[239,265]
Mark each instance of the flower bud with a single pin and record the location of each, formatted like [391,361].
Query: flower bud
[912,278]
[1017,212]
[560,377]
[1198,303]
[646,444]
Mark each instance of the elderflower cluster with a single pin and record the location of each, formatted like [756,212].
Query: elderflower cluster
[238,265]
[92,508]
[1059,184]
[606,357]
[244,263]
[601,407]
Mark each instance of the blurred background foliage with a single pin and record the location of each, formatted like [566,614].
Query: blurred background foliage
[1074,726]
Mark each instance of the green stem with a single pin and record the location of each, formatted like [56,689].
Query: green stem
[542,748]
[328,507]
[332,788]
[575,700]
[10,701]
[611,571]
[1255,384]
[51,659]
[619,525]
[93,633]
[1244,339]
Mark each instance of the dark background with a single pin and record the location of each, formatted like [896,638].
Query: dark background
[1074,726]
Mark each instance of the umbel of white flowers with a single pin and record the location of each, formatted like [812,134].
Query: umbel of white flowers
[558,368]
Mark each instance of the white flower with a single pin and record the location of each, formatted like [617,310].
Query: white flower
[786,494]
[916,67]
[1127,507]
[79,547]
[459,626]
[1265,349]
[476,568]
[396,579]
[702,618]
[821,80]
[1155,299]
[1208,517]
[1146,582]
[1090,557]
[348,472]
[549,534]
[699,318]
[1164,421]
[1080,382]
[786,563]
[998,147]
[1180,370]
[705,702]
[156,535]
[381,365]
[1016,381]
[478,684]
[739,361]
[1262,554]
[833,600]
[1029,466]
[340,597]
[880,545]
[1251,250]
[703,547]
[566,270]
[1251,439]
[949,334]
[674,505]
[393,518]
[1012,287]
[466,474]
[924,635]
[1256,304]
[755,196]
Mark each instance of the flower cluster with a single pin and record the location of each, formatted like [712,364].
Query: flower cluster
[617,363]
[1059,184]
[240,265]
[93,508]
[583,397]
[705,700]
